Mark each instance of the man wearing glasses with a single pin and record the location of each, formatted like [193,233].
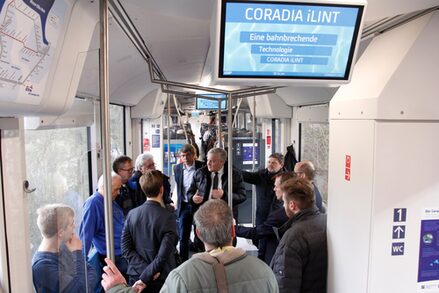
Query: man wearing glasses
[123,166]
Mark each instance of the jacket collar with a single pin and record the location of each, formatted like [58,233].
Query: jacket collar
[298,217]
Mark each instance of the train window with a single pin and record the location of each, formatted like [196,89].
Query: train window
[117,130]
[57,166]
[314,142]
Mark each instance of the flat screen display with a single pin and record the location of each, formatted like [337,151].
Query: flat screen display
[247,153]
[209,104]
[287,40]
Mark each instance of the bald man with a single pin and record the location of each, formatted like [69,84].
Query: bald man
[305,170]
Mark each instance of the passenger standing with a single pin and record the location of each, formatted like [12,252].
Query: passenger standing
[300,262]
[265,197]
[183,174]
[305,169]
[123,166]
[211,182]
[149,237]
[223,268]
[146,162]
[58,265]
[92,229]
[274,221]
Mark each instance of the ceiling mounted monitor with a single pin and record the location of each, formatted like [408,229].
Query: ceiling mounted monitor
[278,41]
[211,102]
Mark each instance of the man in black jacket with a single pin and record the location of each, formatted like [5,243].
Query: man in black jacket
[266,200]
[274,220]
[146,162]
[211,181]
[149,237]
[300,262]
[183,174]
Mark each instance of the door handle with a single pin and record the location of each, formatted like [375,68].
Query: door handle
[26,187]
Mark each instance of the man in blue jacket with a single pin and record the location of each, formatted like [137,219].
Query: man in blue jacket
[183,174]
[92,229]
[149,237]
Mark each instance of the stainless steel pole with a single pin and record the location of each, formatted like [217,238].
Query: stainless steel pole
[254,198]
[169,134]
[218,132]
[230,152]
[105,127]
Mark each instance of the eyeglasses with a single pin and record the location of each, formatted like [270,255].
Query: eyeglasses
[128,170]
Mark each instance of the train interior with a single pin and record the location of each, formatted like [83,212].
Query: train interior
[372,138]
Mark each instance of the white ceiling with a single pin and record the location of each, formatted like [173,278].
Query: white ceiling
[177,32]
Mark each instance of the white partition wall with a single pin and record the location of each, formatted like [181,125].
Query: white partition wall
[383,163]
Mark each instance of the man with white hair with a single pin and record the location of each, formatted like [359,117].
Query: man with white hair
[143,163]
[92,230]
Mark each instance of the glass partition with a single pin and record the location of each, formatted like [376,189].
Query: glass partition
[314,147]
[57,166]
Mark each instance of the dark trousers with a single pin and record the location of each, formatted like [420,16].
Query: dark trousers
[120,262]
[184,228]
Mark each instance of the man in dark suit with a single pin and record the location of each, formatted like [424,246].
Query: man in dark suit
[183,174]
[149,237]
[211,182]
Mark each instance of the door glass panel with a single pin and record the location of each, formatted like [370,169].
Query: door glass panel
[315,148]
[117,131]
[57,166]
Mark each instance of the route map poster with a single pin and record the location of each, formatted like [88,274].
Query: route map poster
[30,32]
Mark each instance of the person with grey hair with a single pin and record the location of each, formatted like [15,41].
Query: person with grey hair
[305,170]
[143,163]
[58,265]
[222,268]
[211,182]
[92,229]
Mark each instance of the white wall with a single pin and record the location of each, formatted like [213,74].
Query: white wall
[387,120]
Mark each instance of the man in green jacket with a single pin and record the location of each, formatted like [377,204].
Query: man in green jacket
[240,273]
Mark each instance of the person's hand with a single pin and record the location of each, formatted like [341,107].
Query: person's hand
[197,198]
[139,286]
[156,276]
[217,193]
[74,243]
[111,276]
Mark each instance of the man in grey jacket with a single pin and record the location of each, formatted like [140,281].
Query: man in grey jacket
[241,273]
[300,262]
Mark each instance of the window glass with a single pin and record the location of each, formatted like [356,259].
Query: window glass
[57,166]
[117,131]
[315,148]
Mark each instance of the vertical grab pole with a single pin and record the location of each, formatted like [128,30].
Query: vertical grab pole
[218,132]
[254,201]
[105,127]
[229,152]
[169,134]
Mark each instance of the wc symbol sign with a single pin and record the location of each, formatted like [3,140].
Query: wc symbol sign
[398,248]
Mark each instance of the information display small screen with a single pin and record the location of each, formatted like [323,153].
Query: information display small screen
[208,104]
[287,40]
[247,153]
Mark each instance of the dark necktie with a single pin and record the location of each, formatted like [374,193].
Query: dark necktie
[215,181]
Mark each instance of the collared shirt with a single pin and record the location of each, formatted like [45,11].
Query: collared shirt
[220,183]
[92,229]
[188,175]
